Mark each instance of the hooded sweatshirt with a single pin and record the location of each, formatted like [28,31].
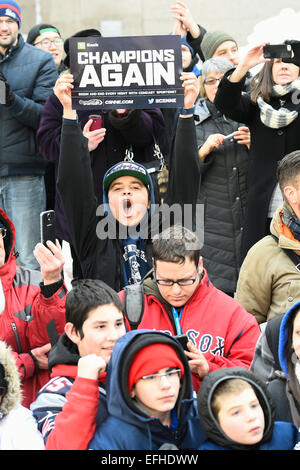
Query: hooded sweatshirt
[277,435]
[94,231]
[26,313]
[128,427]
[18,428]
[67,402]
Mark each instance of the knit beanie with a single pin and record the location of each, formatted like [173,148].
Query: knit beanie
[212,41]
[185,43]
[81,34]
[39,29]
[150,360]
[11,9]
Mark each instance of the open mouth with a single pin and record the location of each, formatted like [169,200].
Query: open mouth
[127,207]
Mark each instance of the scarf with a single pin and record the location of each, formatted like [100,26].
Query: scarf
[292,222]
[277,118]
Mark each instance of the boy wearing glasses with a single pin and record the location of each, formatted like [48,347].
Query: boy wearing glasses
[150,400]
[180,299]
[47,37]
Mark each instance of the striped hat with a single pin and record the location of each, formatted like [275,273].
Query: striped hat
[12,10]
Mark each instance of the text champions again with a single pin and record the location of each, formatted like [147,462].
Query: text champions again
[127,68]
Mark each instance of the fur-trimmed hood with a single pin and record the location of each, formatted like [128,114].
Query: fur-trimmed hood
[14,395]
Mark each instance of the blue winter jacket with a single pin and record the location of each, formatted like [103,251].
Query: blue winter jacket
[31,74]
[127,427]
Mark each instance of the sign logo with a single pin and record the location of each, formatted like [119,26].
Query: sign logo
[81,45]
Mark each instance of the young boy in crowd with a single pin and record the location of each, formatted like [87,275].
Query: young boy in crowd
[150,396]
[68,407]
[236,413]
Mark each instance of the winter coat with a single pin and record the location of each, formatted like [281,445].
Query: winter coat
[222,191]
[277,435]
[268,283]
[130,428]
[18,428]
[25,316]
[280,389]
[137,129]
[268,146]
[216,324]
[102,258]
[31,74]
[67,402]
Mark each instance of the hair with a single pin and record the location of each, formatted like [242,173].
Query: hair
[216,64]
[174,244]
[289,344]
[262,83]
[288,170]
[227,387]
[86,295]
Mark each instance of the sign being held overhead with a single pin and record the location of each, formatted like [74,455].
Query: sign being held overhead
[126,72]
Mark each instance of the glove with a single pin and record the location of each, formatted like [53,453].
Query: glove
[9,95]
[296,50]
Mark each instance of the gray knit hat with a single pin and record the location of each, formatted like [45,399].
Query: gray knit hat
[212,40]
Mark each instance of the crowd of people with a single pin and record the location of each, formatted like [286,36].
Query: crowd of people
[163,338]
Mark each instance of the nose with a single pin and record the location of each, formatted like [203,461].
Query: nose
[176,288]
[164,382]
[112,334]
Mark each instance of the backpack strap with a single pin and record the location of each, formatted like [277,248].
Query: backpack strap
[134,304]
[52,332]
[291,254]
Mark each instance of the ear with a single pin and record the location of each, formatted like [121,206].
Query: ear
[71,333]
[132,393]
[290,193]
[200,265]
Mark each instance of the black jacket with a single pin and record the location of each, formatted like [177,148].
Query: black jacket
[222,191]
[268,147]
[102,258]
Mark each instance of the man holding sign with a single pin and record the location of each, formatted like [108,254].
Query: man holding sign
[115,260]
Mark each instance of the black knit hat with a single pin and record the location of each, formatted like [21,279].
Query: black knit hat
[81,34]
[39,29]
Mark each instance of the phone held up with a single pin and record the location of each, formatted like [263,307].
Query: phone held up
[277,51]
[97,122]
[47,226]
[183,340]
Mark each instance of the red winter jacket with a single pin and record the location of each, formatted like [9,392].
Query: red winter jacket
[26,314]
[216,324]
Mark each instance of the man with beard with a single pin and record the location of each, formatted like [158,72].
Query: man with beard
[27,75]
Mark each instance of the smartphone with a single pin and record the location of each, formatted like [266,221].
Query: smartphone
[47,225]
[183,340]
[277,51]
[229,136]
[97,122]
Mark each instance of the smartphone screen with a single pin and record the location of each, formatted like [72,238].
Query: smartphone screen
[277,51]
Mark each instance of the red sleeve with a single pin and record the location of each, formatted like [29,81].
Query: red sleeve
[75,425]
[43,311]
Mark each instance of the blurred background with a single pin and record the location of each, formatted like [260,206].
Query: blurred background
[249,21]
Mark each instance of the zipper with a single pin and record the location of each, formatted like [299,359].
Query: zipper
[15,330]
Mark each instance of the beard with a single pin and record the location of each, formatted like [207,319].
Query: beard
[11,40]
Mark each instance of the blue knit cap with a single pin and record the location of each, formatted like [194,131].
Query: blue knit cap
[12,10]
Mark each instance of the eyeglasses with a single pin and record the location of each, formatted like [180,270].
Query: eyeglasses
[171,375]
[3,391]
[45,43]
[180,282]
[3,232]
[212,81]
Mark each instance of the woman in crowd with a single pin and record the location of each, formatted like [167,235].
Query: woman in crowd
[222,185]
[271,114]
